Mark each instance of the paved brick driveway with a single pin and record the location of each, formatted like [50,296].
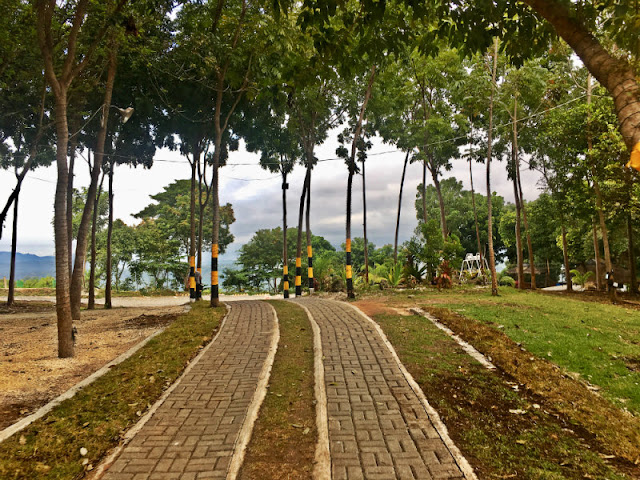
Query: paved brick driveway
[194,433]
[378,427]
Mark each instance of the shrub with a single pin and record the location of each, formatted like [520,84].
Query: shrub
[507,281]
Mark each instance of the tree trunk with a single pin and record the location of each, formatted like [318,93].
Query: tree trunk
[349,267]
[98,158]
[364,226]
[298,281]
[565,255]
[285,259]
[443,217]
[61,233]
[424,191]
[32,155]
[517,199]
[615,74]
[492,256]
[352,166]
[215,294]
[475,218]
[14,244]
[603,226]
[192,220]
[523,206]
[308,230]
[520,263]
[395,242]
[107,288]
[91,305]
[72,161]
[596,249]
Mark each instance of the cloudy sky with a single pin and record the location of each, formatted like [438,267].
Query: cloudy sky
[256,195]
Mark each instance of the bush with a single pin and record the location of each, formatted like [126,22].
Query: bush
[507,281]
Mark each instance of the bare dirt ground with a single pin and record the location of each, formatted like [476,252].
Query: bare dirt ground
[31,374]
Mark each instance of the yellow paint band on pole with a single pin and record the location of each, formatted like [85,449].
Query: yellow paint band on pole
[310,273]
[298,262]
[192,282]
[349,272]
[309,251]
[199,270]
[214,250]
[192,262]
[285,270]
[298,280]
[634,161]
[286,285]
[214,278]
[348,246]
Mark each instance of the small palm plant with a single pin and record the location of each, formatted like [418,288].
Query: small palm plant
[580,278]
[395,275]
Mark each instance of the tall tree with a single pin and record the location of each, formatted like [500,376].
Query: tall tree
[63,62]
[492,255]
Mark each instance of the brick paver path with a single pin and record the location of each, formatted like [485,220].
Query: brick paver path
[194,432]
[378,427]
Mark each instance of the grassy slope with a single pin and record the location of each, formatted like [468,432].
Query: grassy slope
[475,404]
[600,342]
[284,437]
[99,414]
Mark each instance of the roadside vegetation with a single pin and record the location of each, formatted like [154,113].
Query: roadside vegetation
[97,416]
[504,429]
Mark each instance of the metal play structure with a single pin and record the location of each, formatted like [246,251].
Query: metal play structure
[472,266]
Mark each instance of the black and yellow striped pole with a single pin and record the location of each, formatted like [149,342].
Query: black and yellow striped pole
[192,278]
[214,271]
[298,276]
[199,291]
[349,270]
[310,269]
[285,280]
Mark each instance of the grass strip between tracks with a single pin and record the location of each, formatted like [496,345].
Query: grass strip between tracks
[284,436]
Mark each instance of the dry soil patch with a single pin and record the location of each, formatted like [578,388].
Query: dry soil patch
[31,374]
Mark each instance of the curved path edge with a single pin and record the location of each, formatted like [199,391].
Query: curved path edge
[322,468]
[128,436]
[256,402]
[440,427]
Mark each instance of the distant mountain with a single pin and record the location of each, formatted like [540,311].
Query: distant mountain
[27,265]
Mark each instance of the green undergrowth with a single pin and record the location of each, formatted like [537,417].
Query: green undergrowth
[97,416]
[501,429]
[598,341]
[284,436]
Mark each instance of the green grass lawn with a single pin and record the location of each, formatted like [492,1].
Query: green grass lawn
[97,416]
[600,342]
